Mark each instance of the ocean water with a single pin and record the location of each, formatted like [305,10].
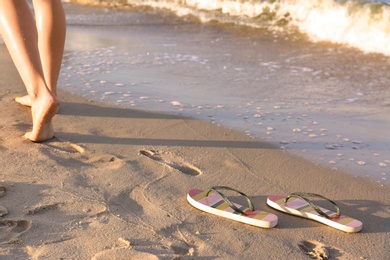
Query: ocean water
[363,24]
[326,101]
[314,93]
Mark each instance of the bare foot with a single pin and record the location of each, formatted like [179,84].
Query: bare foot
[25,100]
[43,110]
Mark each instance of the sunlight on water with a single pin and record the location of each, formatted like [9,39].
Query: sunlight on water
[361,25]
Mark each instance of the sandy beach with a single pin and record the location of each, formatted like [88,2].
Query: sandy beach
[112,184]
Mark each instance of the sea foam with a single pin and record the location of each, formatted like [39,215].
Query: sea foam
[361,24]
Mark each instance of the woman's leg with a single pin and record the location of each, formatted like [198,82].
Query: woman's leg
[17,26]
[51,27]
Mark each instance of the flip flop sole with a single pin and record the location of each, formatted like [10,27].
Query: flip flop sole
[214,204]
[301,208]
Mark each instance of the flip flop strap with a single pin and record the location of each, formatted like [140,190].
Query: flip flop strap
[231,204]
[304,195]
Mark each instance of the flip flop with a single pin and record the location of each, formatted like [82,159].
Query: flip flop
[298,204]
[215,202]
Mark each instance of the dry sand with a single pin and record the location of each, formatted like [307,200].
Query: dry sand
[91,193]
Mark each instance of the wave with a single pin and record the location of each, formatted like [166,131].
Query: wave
[361,24]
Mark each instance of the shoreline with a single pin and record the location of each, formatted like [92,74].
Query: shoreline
[90,193]
[155,68]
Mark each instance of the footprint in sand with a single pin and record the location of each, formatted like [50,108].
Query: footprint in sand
[172,161]
[317,250]
[11,229]
[182,249]
[3,210]
[123,253]
[85,157]
[3,190]
[126,251]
